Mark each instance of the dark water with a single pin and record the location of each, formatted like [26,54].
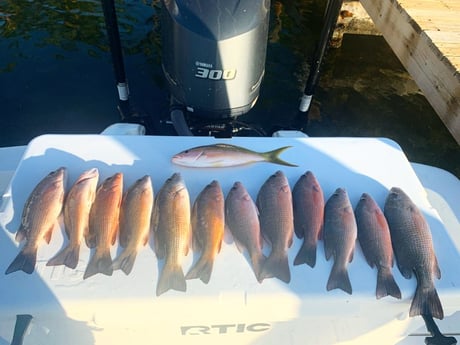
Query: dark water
[56,76]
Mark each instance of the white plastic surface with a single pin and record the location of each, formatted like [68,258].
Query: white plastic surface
[233,307]
[124,129]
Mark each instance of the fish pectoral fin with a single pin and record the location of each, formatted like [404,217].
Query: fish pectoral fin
[123,237]
[145,240]
[320,233]
[186,249]
[160,250]
[291,240]
[239,245]
[196,243]
[437,271]
[21,234]
[328,251]
[47,235]
[90,240]
[405,271]
[350,258]
[114,237]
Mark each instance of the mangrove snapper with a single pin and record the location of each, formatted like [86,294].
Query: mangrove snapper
[39,217]
[414,251]
[172,231]
[274,202]
[77,206]
[208,223]
[340,232]
[308,204]
[103,225]
[374,238]
[135,214]
[241,218]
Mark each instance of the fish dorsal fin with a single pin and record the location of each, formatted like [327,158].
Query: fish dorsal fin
[231,147]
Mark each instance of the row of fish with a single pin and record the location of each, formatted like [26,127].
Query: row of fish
[401,226]
[98,215]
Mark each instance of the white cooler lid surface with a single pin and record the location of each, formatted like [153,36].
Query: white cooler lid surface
[371,165]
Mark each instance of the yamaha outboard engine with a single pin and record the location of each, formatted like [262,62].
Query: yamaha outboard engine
[214,54]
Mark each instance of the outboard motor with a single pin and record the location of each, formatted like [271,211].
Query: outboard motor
[214,54]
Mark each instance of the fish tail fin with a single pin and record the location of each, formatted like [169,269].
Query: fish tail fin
[306,255]
[426,302]
[276,266]
[68,256]
[125,262]
[24,261]
[202,270]
[273,157]
[339,279]
[171,278]
[258,261]
[100,262]
[386,284]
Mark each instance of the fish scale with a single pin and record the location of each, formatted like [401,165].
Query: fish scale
[77,207]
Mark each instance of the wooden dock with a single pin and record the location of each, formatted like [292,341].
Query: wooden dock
[425,36]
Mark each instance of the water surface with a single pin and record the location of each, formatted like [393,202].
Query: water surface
[56,76]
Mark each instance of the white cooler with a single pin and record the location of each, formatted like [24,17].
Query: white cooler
[233,308]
